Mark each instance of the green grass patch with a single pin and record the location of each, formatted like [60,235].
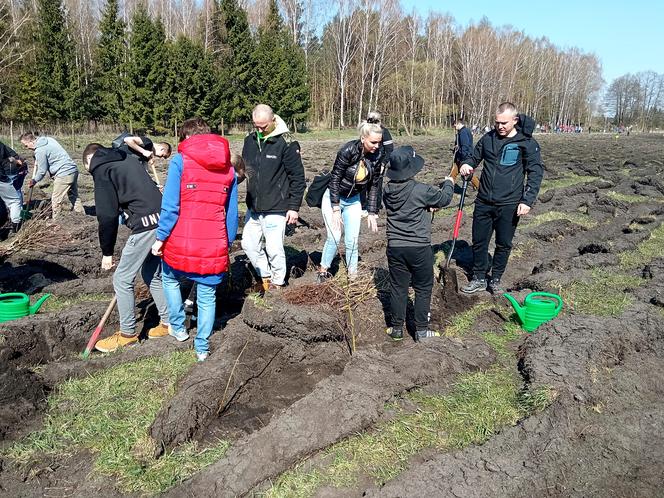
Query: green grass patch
[521,248]
[602,295]
[577,218]
[109,414]
[646,251]
[500,341]
[629,198]
[463,322]
[478,406]
[59,303]
[566,181]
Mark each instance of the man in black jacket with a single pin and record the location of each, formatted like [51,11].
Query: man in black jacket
[511,156]
[275,186]
[463,148]
[123,187]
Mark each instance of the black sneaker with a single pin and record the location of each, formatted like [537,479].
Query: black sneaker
[495,287]
[423,335]
[394,333]
[475,285]
[322,277]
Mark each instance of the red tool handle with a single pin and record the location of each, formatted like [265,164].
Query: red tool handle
[457,223]
[100,327]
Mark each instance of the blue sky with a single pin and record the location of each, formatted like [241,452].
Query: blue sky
[625,35]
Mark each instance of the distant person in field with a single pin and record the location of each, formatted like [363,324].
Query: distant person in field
[200,197]
[12,173]
[53,159]
[275,187]
[357,168]
[511,157]
[463,148]
[409,254]
[121,185]
[375,117]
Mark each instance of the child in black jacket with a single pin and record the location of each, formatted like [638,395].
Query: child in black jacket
[409,256]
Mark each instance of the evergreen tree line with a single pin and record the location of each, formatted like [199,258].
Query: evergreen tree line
[325,63]
[139,78]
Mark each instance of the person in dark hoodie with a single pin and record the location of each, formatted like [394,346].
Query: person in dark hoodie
[198,224]
[122,186]
[409,255]
[511,156]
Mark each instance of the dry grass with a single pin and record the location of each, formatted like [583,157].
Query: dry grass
[339,292]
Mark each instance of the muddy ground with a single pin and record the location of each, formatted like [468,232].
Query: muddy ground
[280,369]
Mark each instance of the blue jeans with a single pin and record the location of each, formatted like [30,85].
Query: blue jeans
[351,215]
[205,299]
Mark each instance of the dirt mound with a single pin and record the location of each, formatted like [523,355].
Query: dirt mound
[42,338]
[603,436]
[22,397]
[338,407]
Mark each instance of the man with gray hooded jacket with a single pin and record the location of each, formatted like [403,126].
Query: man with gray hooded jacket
[409,255]
[53,159]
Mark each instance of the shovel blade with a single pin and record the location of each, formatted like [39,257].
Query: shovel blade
[449,281]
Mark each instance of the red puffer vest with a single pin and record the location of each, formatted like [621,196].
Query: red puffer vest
[199,241]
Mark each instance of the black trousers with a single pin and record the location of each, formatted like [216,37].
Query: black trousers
[486,220]
[405,264]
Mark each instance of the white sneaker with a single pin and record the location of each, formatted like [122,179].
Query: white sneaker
[181,336]
[202,356]
[365,213]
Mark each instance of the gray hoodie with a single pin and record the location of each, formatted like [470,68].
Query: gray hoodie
[52,158]
[407,204]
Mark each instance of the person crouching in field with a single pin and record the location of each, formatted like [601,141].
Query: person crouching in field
[198,224]
[122,186]
[409,255]
[53,159]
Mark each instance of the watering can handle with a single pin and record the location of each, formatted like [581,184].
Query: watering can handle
[555,297]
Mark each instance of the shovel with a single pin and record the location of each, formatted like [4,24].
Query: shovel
[449,277]
[25,212]
[100,327]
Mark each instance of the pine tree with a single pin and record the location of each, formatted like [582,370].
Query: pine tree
[281,69]
[146,97]
[191,76]
[55,74]
[109,67]
[234,47]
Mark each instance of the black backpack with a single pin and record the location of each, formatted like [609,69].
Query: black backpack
[314,197]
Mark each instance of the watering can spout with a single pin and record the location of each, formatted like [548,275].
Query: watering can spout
[35,307]
[520,310]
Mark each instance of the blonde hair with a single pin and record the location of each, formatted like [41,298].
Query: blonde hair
[367,129]
[374,117]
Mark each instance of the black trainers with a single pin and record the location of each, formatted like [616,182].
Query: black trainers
[475,285]
[394,333]
[423,335]
[322,277]
[495,287]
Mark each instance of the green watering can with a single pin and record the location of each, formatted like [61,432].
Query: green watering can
[538,307]
[17,305]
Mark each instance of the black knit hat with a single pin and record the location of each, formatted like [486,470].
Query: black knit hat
[404,163]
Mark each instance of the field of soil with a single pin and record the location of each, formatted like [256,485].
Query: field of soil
[282,407]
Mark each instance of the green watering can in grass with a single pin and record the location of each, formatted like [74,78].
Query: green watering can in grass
[538,307]
[16,305]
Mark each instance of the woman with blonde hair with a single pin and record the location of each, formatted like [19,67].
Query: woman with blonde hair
[358,168]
